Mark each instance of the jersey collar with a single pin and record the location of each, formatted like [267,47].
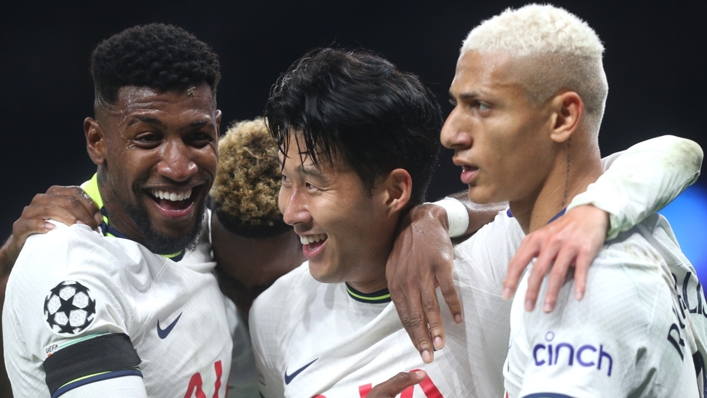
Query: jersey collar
[381,296]
[558,215]
[91,188]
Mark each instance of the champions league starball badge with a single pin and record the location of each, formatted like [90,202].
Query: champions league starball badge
[69,308]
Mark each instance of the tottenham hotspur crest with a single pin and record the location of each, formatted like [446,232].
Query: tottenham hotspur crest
[69,308]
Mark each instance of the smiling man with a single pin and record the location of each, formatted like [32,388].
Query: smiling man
[135,311]
[358,141]
[530,91]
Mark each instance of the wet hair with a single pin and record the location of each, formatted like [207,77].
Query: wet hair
[358,107]
[558,52]
[244,194]
[158,56]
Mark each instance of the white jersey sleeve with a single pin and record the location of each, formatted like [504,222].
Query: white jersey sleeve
[78,306]
[642,180]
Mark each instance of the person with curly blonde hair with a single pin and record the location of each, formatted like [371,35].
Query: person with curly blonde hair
[248,231]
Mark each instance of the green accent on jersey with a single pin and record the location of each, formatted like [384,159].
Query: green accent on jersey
[84,338]
[91,375]
[91,189]
[367,298]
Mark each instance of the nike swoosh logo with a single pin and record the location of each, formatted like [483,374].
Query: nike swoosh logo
[289,378]
[163,333]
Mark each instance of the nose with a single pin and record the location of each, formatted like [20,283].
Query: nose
[293,206]
[176,162]
[455,133]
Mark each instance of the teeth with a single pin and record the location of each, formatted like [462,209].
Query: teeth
[173,196]
[305,240]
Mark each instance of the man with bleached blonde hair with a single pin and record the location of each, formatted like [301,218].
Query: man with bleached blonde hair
[529,91]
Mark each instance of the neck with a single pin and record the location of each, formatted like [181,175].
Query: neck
[371,284]
[117,217]
[573,171]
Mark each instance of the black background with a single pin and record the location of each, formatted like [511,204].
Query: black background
[655,63]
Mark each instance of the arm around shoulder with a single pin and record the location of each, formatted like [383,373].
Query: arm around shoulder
[642,180]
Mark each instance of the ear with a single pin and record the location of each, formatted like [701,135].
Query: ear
[95,141]
[568,110]
[398,188]
[218,123]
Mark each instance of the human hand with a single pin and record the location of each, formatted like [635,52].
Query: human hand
[421,260]
[396,384]
[572,240]
[69,205]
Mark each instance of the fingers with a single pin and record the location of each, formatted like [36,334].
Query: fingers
[557,278]
[524,255]
[434,319]
[396,384]
[410,311]
[449,292]
[584,260]
[77,200]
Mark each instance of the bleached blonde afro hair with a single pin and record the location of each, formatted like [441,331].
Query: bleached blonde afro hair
[247,181]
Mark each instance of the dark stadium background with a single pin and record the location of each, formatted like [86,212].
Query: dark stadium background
[655,61]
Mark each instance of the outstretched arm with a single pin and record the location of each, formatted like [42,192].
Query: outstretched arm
[421,261]
[639,182]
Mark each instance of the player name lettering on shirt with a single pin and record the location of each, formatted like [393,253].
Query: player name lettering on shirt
[564,353]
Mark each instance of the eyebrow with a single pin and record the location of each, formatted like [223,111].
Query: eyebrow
[158,122]
[310,170]
[145,119]
[468,96]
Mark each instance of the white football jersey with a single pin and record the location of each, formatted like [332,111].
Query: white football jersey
[78,302]
[327,340]
[638,332]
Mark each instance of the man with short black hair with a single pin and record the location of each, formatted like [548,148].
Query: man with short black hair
[358,139]
[135,311]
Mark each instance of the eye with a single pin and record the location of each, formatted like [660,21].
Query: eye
[484,107]
[453,102]
[147,139]
[200,139]
[311,187]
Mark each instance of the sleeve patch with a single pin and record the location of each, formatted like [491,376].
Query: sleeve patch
[99,358]
[69,308]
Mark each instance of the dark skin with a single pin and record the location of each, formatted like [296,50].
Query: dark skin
[239,257]
[150,140]
[422,240]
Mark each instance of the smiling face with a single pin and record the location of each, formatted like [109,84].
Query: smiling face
[157,154]
[498,135]
[345,232]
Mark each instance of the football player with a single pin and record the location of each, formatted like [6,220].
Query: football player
[358,139]
[135,311]
[529,95]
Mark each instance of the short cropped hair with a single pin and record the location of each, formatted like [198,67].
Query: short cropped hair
[244,194]
[361,108]
[158,56]
[561,50]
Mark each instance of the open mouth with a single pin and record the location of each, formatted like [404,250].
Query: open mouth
[313,242]
[173,201]
[468,173]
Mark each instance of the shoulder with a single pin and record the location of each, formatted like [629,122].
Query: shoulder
[275,299]
[486,253]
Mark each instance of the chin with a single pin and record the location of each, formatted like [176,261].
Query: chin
[320,274]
